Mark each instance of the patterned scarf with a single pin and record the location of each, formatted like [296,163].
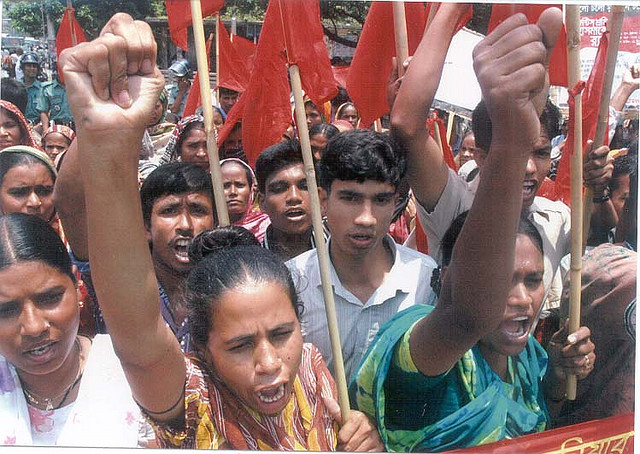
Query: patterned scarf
[27,138]
[171,152]
[223,422]
[254,220]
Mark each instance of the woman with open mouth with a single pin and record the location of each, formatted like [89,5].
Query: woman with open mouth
[252,384]
[56,387]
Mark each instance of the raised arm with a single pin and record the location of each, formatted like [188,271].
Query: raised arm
[426,169]
[68,196]
[510,65]
[630,83]
[113,84]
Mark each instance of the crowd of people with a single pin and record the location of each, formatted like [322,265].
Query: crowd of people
[130,318]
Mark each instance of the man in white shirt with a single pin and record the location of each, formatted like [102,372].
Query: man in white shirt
[373,277]
[441,194]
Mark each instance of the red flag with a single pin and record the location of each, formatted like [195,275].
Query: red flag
[179,17]
[558,62]
[69,27]
[590,105]
[371,64]
[291,33]
[447,152]
[235,64]
[341,74]
[193,98]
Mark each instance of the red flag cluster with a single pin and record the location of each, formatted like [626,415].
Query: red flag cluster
[291,34]
[235,59]
[371,64]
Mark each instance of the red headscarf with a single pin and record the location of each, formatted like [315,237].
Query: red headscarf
[27,138]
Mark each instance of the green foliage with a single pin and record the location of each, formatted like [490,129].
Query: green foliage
[244,10]
[26,16]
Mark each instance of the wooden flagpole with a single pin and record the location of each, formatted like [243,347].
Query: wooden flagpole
[207,110]
[400,29]
[450,121]
[614,25]
[218,57]
[318,234]
[74,38]
[573,48]
[321,246]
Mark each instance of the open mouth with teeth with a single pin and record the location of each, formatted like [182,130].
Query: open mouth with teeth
[295,214]
[517,327]
[181,248]
[271,395]
[39,351]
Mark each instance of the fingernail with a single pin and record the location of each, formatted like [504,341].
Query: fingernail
[571,338]
[124,99]
[147,67]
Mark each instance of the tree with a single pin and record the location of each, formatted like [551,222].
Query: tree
[27,16]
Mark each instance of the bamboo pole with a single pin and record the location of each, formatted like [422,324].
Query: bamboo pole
[573,48]
[321,246]
[614,25]
[74,38]
[450,121]
[436,132]
[377,125]
[218,57]
[205,96]
[400,29]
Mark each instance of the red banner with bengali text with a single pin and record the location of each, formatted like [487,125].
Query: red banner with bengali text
[603,436]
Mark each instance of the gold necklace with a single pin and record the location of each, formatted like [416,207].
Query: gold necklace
[39,401]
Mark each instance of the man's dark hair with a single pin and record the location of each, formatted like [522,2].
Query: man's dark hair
[340,98]
[276,157]
[550,121]
[360,155]
[623,165]
[173,178]
[15,92]
[227,91]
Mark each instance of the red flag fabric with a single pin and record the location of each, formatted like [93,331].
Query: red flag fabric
[447,152]
[340,74]
[193,98]
[590,105]
[291,33]
[179,17]
[558,62]
[235,64]
[371,64]
[64,38]
[244,48]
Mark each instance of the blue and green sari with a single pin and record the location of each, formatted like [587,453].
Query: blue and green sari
[467,406]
